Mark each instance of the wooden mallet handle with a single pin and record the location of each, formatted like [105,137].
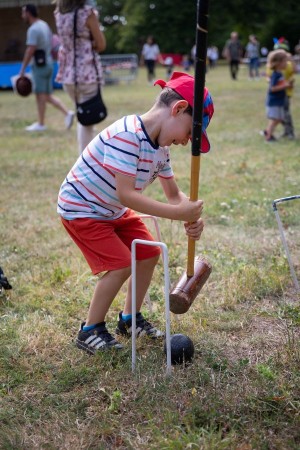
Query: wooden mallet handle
[200,69]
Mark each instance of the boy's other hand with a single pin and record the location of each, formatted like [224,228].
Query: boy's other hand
[194,230]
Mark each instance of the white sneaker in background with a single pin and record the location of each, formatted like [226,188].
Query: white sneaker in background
[69,118]
[36,127]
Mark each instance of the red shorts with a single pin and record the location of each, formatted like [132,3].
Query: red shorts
[106,244]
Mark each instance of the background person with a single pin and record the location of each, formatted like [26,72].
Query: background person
[212,56]
[277,62]
[252,52]
[289,75]
[169,64]
[99,197]
[150,55]
[39,37]
[90,40]
[233,52]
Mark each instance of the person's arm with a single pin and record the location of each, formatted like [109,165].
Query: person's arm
[172,192]
[225,52]
[281,86]
[180,208]
[278,83]
[175,196]
[99,41]
[29,52]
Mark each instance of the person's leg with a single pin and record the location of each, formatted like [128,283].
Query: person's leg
[288,121]
[150,69]
[153,70]
[105,292]
[251,69]
[42,77]
[233,69]
[44,89]
[85,134]
[57,103]
[41,100]
[236,69]
[144,273]
[272,124]
[256,68]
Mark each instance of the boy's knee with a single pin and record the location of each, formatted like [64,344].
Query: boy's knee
[150,261]
[125,272]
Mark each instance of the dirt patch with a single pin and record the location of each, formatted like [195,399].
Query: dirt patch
[262,338]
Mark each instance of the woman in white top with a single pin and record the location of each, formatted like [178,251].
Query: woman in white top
[150,54]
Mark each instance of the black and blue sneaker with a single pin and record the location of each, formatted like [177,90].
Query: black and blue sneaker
[97,339]
[143,327]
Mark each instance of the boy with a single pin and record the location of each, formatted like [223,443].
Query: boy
[289,75]
[97,199]
[277,62]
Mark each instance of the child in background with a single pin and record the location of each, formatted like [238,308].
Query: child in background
[169,64]
[277,62]
[289,75]
[99,195]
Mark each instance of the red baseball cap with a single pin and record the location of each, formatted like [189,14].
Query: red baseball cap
[183,84]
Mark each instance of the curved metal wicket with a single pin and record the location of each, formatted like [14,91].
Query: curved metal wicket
[164,248]
[154,219]
[283,240]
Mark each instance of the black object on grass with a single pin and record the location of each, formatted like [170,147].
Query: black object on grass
[182,349]
[4,281]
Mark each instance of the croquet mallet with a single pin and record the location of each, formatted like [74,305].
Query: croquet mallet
[198,269]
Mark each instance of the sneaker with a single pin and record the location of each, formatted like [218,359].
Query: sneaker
[97,339]
[69,118]
[143,327]
[36,127]
[271,139]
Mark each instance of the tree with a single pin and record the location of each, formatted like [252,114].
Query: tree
[172,22]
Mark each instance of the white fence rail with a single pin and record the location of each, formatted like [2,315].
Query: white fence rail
[117,68]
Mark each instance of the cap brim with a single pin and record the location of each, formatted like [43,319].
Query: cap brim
[160,83]
[205,145]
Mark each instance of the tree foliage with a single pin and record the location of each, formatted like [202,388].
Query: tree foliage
[173,22]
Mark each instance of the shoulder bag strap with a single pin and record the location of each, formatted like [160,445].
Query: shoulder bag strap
[74,40]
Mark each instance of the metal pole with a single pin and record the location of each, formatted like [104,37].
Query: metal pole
[283,240]
[164,248]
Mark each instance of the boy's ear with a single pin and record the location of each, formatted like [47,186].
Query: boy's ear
[179,107]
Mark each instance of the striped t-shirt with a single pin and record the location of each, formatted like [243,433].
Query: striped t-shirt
[89,189]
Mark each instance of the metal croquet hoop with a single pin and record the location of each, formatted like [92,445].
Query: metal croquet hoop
[283,240]
[154,220]
[164,248]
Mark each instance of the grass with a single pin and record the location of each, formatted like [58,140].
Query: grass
[242,391]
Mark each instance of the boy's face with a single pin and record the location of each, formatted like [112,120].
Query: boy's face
[177,129]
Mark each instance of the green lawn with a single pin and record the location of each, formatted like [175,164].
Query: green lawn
[243,389]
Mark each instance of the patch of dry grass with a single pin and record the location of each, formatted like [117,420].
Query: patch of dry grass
[242,391]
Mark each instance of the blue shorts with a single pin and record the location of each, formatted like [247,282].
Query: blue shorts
[275,113]
[42,79]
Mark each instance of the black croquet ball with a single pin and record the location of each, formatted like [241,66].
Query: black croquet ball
[182,349]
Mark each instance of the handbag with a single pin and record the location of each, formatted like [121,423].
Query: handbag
[93,110]
[40,57]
